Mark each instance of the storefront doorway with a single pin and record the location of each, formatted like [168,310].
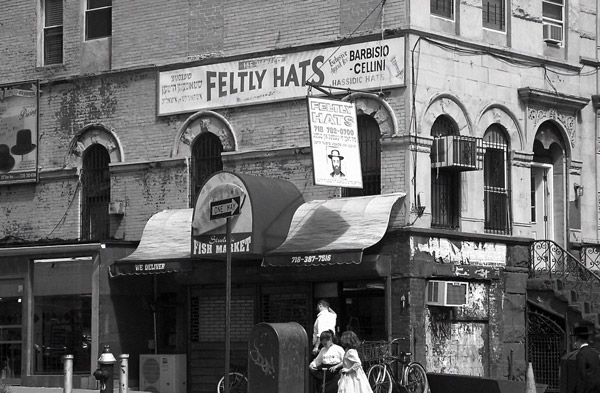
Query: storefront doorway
[11,329]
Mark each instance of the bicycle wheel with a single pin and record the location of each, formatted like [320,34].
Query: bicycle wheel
[379,379]
[238,383]
[415,378]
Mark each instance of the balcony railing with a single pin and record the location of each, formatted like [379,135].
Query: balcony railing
[549,260]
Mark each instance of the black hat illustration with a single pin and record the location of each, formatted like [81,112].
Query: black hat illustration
[24,144]
[335,153]
[583,330]
[7,162]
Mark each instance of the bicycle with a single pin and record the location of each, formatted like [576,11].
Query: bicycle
[238,382]
[382,378]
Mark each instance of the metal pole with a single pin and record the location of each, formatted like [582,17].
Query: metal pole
[124,373]
[227,306]
[68,374]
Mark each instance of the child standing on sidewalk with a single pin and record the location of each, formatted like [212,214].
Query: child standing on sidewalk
[353,379]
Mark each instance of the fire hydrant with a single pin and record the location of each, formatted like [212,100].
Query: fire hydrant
[105,371]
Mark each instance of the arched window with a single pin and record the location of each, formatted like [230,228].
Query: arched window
[445,184]
[496,181]
[370,158]
[206,160]
[95,183]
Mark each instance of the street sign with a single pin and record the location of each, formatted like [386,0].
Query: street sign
[225,208]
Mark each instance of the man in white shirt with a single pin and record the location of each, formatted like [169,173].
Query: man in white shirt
[326,320]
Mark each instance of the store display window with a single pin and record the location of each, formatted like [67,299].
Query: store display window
[62,314]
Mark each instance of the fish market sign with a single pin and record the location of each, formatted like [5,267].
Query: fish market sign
[368,65]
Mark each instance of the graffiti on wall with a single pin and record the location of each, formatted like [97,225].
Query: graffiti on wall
[460,252]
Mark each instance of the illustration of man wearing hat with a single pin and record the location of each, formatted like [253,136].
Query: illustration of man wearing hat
[588,360]
[336,163]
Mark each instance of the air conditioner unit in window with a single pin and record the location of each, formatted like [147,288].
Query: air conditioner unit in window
[163,373]
[457,152]
[446,293]
[553,34]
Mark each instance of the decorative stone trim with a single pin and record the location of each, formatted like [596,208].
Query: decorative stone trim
[261,154]
[498,114]
[199,123]
[566,102]
[540,115]
[47,174]
[125,167]
[445,104]
[522,159]
[95,133]
[376,107]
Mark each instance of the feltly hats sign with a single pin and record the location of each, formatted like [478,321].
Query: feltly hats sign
[18,133]
[367,65]
[334,143]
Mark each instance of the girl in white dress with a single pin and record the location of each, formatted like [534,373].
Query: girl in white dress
[353,379]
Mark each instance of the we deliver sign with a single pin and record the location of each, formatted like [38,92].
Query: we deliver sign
[368,65]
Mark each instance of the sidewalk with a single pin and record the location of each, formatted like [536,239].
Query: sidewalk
[29,389]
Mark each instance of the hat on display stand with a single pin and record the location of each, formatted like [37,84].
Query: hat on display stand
[7,162]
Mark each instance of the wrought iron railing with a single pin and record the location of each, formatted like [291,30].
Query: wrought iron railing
[549,260]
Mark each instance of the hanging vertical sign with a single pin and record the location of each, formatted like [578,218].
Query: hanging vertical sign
[18,133]
[334,143]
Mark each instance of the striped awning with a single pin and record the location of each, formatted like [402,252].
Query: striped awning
[334,231]
[164,246]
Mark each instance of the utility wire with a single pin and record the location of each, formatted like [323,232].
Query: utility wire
[381,3]
[66,210]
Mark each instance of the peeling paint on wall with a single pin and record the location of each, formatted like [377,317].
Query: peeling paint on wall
[461,252]
[456,339]
[456,347]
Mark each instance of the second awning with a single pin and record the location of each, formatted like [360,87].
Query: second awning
[334,231]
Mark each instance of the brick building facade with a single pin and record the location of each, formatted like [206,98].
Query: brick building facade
[502,79]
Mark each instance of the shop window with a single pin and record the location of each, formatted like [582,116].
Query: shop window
[445,184]
[205,160]
[98,19]
[62,312]
[494,14]
[95,183]
[53,31]
[370,158]
[11,329]
[443,8]
[496,180]
[362,309]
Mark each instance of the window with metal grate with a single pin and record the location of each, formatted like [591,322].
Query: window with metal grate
[370,158]
[206,160]
[95,183]
[445,185]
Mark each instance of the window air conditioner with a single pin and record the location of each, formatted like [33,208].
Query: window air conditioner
[457,152]
[446,293]
[553,34]
[163,373]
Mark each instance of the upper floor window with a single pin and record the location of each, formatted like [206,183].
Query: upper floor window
[445,184]
[53,31]
[370,158]
[206,160]
[494,14]
[553,18]
[444,8]
[95,182]
[496,181]
[98,19]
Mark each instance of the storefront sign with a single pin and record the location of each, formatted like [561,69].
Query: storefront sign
[217,244]
[18,133]
[315,259]
[334,143]
[368,65]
